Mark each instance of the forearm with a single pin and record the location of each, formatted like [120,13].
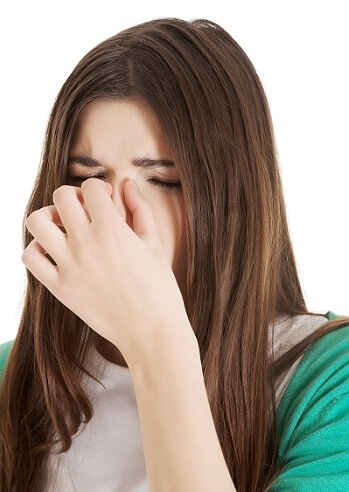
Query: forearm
[181,447]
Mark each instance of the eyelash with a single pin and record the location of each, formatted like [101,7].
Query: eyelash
[175,185]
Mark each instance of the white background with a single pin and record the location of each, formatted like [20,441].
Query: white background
[300,51]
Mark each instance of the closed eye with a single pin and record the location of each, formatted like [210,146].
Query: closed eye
[172,185]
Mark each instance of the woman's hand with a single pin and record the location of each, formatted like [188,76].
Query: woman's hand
[118,281]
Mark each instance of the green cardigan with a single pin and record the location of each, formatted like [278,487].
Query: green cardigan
[312,417]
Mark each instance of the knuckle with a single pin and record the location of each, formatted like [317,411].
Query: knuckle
[33,218]
[83,252]
[62,190]
[105,226]
[26,253]
[24,256]
[62,291]
[84,249]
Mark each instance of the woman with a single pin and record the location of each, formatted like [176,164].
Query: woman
[181,297]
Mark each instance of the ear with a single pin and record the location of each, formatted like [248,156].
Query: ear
[144,223]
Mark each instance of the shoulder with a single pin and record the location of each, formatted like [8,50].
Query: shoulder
[313,418]
[5,349]
[322,375]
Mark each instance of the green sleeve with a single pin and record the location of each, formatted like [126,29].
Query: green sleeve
[313,419]
[5,349]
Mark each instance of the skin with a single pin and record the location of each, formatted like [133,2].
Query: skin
[115,132]
[105,271]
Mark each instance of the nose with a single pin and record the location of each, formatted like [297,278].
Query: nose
[119,201]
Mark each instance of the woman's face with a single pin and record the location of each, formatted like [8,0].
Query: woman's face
[116,133]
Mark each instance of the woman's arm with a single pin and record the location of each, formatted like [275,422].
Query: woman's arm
[181,446]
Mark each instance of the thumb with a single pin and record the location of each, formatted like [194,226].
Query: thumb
[144,223]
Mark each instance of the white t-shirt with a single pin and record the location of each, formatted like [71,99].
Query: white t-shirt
[107,453]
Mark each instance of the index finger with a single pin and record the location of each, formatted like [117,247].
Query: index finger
[99,205]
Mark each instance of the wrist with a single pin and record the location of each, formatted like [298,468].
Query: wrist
[170,345]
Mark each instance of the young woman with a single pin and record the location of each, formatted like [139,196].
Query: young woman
[165,343]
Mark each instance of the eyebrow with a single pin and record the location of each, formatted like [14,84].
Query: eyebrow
[139,162]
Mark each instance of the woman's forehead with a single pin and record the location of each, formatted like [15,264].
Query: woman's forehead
[120,126]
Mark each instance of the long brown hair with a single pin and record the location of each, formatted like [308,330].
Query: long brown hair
[241,266]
